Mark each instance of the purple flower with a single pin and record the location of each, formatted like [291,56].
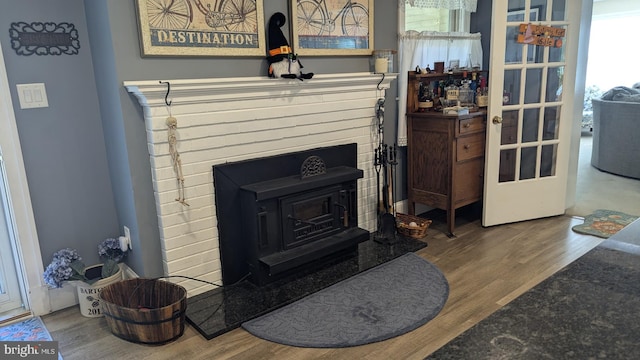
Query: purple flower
[67,264]
[110,249]
[60,268]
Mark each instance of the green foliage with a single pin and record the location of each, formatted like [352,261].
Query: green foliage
[109,268]
[590,92]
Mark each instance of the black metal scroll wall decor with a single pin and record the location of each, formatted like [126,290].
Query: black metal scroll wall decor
[44,38]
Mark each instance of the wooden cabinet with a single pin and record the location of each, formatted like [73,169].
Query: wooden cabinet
[445,159]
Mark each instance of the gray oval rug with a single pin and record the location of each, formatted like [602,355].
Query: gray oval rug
[377,304]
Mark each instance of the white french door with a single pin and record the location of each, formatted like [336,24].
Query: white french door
[10,295]
[529,118]
[21,261]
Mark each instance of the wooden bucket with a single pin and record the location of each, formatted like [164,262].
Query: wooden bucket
[145,311]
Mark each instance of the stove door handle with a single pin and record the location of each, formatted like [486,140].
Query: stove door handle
[300,221]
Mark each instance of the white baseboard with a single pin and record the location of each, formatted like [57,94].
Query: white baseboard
[128,272]
[62,298]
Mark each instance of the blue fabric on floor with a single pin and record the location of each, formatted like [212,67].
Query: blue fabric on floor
[32,329]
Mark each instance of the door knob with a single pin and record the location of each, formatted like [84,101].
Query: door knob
[497,120]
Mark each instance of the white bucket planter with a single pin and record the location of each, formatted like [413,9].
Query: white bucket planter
[89,294]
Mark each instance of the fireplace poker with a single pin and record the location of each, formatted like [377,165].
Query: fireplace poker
[377,163]
[393,161]
[379,157]
[385,177]
[386,220]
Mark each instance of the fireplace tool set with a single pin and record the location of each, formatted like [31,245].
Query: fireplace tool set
[385,161]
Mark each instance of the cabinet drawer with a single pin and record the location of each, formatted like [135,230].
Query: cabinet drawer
[471,125]
[470,147]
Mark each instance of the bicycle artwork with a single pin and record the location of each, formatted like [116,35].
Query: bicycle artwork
[332,27]
[202,27]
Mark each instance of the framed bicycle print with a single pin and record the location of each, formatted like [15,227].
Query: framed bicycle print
[201,27]
[332,27]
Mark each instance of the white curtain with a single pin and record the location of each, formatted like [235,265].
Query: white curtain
[468,5]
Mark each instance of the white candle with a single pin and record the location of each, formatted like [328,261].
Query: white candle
[381,65]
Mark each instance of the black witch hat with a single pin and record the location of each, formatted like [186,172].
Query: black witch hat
[279,48]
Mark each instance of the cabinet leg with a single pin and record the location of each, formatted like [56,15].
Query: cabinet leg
[451,220]
[412,207]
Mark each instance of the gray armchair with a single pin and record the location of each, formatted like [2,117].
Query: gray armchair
[616,133]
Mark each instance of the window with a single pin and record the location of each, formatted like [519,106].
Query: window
[440,20]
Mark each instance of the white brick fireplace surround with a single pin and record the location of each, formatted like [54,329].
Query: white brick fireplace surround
[224,120]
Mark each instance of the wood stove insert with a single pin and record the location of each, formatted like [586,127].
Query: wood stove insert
[285,214]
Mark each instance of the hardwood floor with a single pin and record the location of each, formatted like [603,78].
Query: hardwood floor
[485,267]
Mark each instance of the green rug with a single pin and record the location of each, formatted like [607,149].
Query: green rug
[604,223]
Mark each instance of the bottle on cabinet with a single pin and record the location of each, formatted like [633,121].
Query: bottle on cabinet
[482,93]
[474,85]
[465,94]
[433,92]
[425,97]
[452,92]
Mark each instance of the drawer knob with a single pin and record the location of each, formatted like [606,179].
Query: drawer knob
[466,125]
[466,147]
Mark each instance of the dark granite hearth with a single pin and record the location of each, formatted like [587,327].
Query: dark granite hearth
[223,309]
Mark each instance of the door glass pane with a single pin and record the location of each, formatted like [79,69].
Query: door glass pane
[511,92]
[10,296]
[530,125]
[5,240]
[539,8]
[554,83]
[507,171]
[548,160]
[535,54]
[551,123]
[509,130]
[558,13]
[513,51]
[556,53]
[532,86]
[528,162]
[515,5]
[537,13]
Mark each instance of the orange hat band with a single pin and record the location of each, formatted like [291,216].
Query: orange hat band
[281,50]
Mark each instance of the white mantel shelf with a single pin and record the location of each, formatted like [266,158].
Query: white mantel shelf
[152,92]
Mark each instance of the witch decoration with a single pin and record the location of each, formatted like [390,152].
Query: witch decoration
[283,63]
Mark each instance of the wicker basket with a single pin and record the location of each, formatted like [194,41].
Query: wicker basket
[417,231]
[145,311]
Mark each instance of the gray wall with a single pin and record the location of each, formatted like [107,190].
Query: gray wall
[85,155]
[63,145]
